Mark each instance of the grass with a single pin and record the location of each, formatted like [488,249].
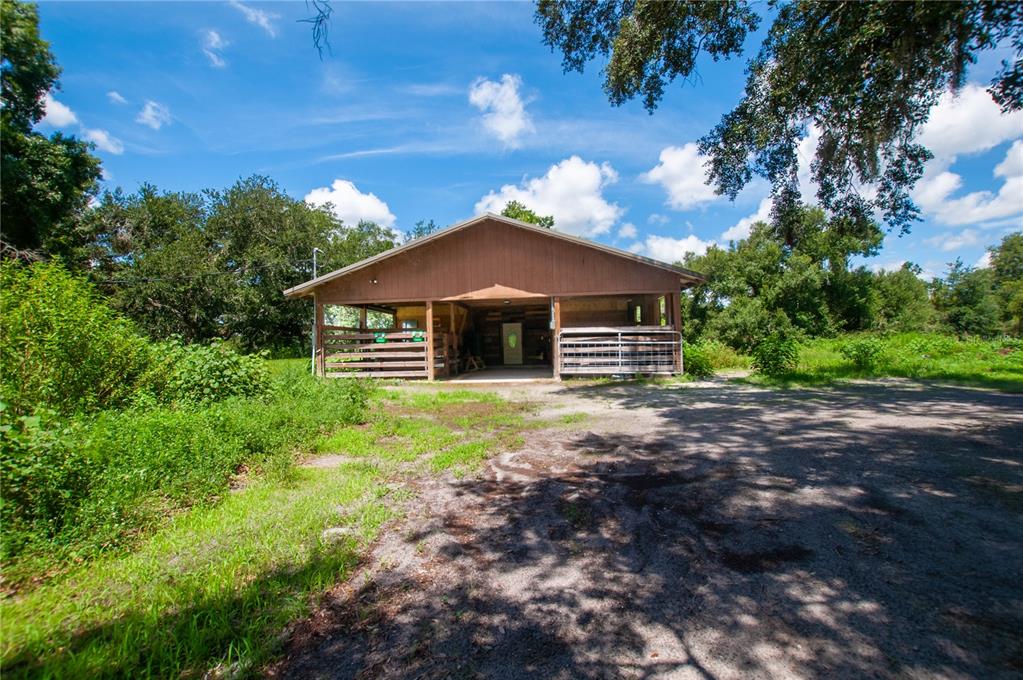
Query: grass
[211,591]
[921,356]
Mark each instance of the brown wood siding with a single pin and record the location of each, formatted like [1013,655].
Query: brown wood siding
[494,253]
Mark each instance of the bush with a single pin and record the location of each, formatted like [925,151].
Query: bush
[695,361]
[776,355]
[95,483]
[864,353]
[722,356]
[200,374]
[61,348]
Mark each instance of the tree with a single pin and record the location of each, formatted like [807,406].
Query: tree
[45,183]
[966,301]
[863,75]
[214,264]
[422,228]
[1007,267]
[903,303]
[518,211]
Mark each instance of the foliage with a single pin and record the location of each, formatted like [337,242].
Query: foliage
[422,228]
[46,182]
[91,484]
[864,353]
[518,211]
[201,374]
[214,264]
[965,301]
[902,300]
[61,348]
[864,76]
[695,361]
[1007,267]
[775,355]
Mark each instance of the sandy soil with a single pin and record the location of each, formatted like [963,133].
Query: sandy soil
[705,531]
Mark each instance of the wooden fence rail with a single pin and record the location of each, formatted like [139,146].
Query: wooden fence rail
[378,353]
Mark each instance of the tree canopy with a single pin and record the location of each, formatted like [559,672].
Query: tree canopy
[518,211]
[45,183]
[862,75]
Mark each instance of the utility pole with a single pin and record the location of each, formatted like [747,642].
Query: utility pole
[313,343]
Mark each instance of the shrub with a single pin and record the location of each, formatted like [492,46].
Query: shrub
[864,353]
[95,483]
[775,355]
[695,361]
[200,374]
[60,347]
[722,356]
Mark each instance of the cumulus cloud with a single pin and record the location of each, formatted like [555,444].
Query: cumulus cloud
[57,115]
[955,240]
[682,173]
[742,228]
[627,230]
[259,17]
[984,262]
[154,114]
[934,193]
[104,141]
[890,266]
[504,112]
[116,97]
[656,218]
[572,191]
[670,250]
[212,45]
[351,205]
[968,123]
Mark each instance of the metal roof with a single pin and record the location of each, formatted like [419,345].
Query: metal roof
[303,289]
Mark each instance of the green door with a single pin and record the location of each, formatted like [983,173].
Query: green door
[511,341]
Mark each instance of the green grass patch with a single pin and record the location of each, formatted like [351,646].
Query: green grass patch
[922,356]
[573,418]
[468,455]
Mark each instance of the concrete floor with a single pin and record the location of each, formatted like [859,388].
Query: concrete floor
[504,374]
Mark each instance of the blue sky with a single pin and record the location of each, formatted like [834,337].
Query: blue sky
[443,110]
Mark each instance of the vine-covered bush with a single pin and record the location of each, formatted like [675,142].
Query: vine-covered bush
[864,353]
[696,361]
[61,347]
[200,374]
[776,355]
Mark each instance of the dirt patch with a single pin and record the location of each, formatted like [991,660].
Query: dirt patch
[709,531]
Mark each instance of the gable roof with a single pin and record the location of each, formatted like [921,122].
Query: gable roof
[303,289]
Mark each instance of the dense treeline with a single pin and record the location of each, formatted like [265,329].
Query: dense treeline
[792,277]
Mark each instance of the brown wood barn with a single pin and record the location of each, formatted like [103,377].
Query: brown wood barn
[497,292]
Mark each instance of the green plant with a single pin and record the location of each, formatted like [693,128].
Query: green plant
[776,355]
[695,361]
[200,374]
[864,353]
[61,347]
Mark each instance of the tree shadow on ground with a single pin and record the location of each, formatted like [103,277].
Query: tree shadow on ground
[861,531]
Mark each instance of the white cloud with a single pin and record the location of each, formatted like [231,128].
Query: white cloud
[627,230]
[985,261]
[154,114]
[968,123]
[212,45]
[742,228]
[934,193]
[890,266]
[954,241]
[57,115]
[572,191]
[668,249]
[116,97]
[351,205]
[104,141]
[504,112]
[682,173]
[655,218]
[259,17]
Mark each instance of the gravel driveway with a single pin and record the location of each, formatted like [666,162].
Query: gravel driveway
[705,531]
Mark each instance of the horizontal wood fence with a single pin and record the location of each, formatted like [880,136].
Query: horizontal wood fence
[619,350]
[379,353]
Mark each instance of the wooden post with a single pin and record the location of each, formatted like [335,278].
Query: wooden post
[555,350]
[320,355]
[430,367]
[362,318]
[454,336]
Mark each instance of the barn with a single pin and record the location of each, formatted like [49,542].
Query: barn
[496,293]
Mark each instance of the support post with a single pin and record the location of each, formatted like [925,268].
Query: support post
[319,353]
[555,345]
[454,337]
[676,323]
[363,325]
[431,368]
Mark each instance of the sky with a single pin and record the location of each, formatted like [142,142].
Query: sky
[444,111]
